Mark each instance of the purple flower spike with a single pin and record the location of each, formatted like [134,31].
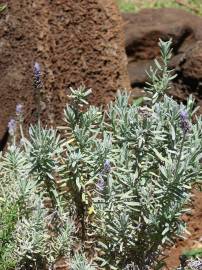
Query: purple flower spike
[12,127]
[19,109]
[185,125]
[102,175]
[107,167]
[37,76]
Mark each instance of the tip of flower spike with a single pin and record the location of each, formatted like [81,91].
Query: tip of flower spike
[184,114]
[12,127]
[37,76]
[184,119]
[37,67]
[19,109]
[107,166]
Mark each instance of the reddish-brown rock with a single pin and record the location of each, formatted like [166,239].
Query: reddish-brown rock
[143,30]
[191,66]
[76,42]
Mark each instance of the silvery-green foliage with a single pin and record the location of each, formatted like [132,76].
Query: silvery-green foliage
[43,150]
[81,160]
[44,147]
[15,200]
[30,236]
[153,166]
[153,153]
[35,236]
[62,244]
[8,219]
[15,173]
[79,262]
[160,76]
[154,163]
[16,186]
[34,239]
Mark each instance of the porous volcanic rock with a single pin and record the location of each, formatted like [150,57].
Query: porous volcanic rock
[75,42]
[143,30]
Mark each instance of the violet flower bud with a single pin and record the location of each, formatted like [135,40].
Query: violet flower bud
[37,76]
[12,127]
[107,167]
[106,170]
[184,121]
[19,109]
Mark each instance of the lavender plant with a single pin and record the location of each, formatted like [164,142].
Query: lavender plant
[111,187]
[155,160]
[79,262]
[32,236]
[154,154]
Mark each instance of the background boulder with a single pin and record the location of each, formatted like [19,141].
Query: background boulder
[143,30]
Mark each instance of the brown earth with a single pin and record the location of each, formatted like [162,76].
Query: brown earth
[75,42]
